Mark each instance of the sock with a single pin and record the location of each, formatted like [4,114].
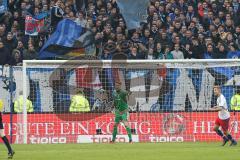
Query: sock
[114,133]
[5,140]
[230,137]
[225,138]
[129,133]
[219,133]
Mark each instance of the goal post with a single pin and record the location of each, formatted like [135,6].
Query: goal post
[170,99]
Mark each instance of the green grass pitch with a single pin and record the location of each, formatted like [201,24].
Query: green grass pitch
[121,151]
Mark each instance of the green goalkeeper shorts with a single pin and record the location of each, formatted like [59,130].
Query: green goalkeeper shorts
[120,118]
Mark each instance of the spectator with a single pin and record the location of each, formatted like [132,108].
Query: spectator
[216,22]
[20,47]
[210,52]
[190,14]
[201,39]
[30,53]
[57,13]
[80,20]
[2,32]
[158,51]
[107,54]
[221,52]
[187,51]
[187,38]
[144,39]
[166,54]
[215,36]
[150,54]
[208,40]
[233,53]
[18,104]
[45,8]
[4,54]
[215,9]
[79,103]
[177,54]
[236,36]
[235,100]
[16,59]
[197,49]
[163,39]
[134,54]
[175,14]
[229,26]
[10,42]
[229,40]
[150,43]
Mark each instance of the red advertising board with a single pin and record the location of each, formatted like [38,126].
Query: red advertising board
[148,127]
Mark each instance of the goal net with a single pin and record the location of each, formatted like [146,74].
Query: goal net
[169,100]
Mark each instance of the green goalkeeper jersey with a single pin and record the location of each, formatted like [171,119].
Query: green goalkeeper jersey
[120,100]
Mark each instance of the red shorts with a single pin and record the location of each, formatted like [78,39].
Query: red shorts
[223,123]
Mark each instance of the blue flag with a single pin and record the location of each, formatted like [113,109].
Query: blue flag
[3,6]
[68,41]
[134,12]
[62,40]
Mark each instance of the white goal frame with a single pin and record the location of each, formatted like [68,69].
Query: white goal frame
[152,64]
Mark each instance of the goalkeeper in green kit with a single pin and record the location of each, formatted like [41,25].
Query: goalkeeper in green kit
[121,111]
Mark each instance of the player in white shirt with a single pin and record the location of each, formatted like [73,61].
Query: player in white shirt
[223,117]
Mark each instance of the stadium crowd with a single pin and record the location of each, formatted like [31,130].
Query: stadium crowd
[175,29]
